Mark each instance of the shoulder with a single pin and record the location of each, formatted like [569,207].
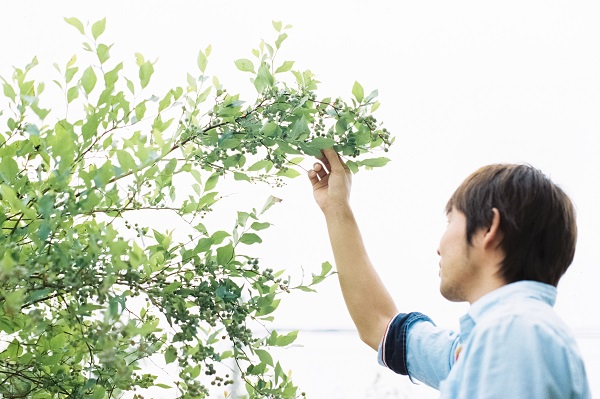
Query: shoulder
[528,346]
[524,323]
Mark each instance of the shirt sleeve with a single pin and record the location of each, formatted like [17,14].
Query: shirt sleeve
[513,359]
[413,345]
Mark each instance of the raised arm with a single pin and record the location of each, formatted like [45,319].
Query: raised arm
[368,301]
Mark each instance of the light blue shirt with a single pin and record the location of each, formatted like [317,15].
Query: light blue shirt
[511,345]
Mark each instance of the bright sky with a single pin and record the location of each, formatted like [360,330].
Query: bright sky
[462,84]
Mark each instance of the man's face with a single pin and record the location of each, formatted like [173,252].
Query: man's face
[458,273]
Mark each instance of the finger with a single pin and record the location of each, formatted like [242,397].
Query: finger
[325,163]
[320,169]
[332,160]
[313,177]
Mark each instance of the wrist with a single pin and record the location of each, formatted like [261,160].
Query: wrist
[338,212]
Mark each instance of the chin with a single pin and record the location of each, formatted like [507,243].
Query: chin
[450,294]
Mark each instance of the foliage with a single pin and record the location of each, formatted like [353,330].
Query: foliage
[88,295]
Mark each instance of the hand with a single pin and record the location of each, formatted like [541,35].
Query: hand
[331,181]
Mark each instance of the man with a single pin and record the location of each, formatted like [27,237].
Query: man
[511,235]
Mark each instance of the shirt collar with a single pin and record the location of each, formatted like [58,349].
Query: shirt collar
[517,290]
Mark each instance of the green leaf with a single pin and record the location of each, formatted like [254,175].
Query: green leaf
[305,288]
[375,106]
[204,95]
[146,71]
[282,340]
[98,28]
[9,195]
[224,254]
[32,129]
[374,162]
[234,161]
[229,143]
[161,238]
[358,92]
[259,226]
[88,80]
[289,172]
[71,62]
[139,59]
[269,203]
[244,65]
[288,149]
[89,128]
[250,238]
[218,237]
[126,160]
[277,25]
[70,73]
[322,143]
[242,218]
[286,66]
[211,182]
[9,91]
[170,354]
[72,94]
[263,79]
[241,177]
[269,128]
[310,150]
[280,39]
[202,61]
[99,392]
[257,369]
[299,127]
[207,199]
[326,267]
[371,96]
[262,164]
[8,169]
[204,244]
[130,86]
[353,166]
[295,161]
[102,52]
[76,23]
[140,111]
[174,286]
[166,101]
[341,126]
[264,356]
[41,113]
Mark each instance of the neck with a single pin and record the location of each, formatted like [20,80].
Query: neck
[487,286]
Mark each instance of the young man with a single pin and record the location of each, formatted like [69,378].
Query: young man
[511,235]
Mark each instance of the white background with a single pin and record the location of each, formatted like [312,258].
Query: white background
[462,84]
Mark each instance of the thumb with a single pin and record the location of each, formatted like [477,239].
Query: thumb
[333,160]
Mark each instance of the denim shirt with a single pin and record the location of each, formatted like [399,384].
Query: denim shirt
[511,345]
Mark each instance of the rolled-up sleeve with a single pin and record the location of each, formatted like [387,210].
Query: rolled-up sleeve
[413,345]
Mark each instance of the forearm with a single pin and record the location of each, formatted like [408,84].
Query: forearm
[368,301]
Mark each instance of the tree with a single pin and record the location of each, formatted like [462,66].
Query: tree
[86,294]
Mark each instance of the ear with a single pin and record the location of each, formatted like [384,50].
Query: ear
[493,236]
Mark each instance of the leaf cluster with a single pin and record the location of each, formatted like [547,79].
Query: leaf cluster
[86,292]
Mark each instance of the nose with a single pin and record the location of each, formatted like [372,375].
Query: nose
[438,252]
